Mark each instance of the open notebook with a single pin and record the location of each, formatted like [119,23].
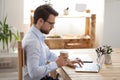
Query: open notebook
[91,67]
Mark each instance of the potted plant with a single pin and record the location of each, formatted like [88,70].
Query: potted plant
[105,50]
[6,35]
[108,51]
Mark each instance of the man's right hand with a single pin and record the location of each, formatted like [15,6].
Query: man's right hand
[61,61]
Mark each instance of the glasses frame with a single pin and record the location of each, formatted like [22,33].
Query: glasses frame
[51,23]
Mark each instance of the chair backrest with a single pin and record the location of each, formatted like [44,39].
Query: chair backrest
[21,35]
[22,60]
[21,57]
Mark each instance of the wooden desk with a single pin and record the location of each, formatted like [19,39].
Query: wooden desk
[108,72]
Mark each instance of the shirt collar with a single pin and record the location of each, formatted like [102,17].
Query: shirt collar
[38,33]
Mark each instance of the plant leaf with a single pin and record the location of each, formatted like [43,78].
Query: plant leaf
[0,23]
[6,40]
[10,35]
[4,22]
[3,44]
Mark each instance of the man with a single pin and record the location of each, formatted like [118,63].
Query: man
[37,52]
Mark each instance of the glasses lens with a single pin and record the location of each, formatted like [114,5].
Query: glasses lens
[51,23]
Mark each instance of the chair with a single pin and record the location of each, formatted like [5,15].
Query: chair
[21,57]
[21,60]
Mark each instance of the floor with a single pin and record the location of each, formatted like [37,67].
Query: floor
[8,76]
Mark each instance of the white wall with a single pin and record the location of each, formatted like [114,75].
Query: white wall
[15,10]
[73,25]
[112,23]
[1,9]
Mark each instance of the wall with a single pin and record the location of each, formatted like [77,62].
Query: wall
[1,9]
[112,23]
[15,10]
[73,25]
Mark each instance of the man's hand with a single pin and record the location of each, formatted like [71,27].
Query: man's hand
[72,62]
[61,61]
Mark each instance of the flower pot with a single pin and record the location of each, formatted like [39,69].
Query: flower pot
[5,50]
[108,59]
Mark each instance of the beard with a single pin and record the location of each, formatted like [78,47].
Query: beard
[43,31]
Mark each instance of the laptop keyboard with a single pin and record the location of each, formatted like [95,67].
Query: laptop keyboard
[88,67]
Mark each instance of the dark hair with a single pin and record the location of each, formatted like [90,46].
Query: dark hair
[43,11]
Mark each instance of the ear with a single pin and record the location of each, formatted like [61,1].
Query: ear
[40,20]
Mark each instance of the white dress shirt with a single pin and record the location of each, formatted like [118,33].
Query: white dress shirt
[37,56]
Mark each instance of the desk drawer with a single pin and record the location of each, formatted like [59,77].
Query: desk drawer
[77,43]
[55,43]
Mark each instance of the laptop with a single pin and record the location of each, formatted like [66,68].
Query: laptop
[91,67]
[84,57]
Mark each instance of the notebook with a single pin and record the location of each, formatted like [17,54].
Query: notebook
[91,67]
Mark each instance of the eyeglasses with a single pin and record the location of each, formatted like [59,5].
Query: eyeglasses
[51,23]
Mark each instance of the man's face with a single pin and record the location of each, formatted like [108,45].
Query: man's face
[48,25]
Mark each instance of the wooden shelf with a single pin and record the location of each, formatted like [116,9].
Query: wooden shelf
[72,43]
[66,43]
